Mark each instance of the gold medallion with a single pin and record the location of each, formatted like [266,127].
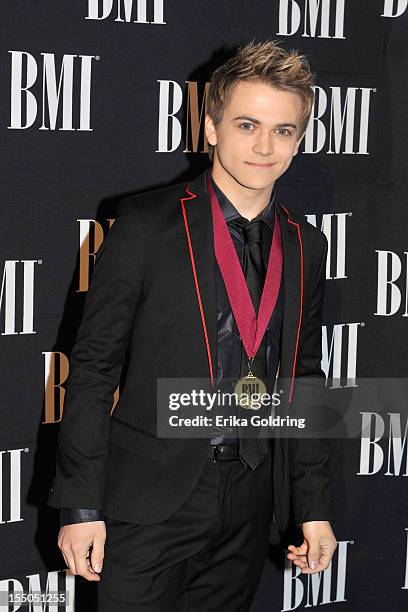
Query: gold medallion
[245,387]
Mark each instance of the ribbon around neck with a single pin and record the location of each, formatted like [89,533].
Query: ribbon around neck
[250,327]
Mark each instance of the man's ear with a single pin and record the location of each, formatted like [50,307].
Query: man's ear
[298,143]
[210,131]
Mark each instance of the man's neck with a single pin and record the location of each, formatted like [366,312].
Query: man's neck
[248,202]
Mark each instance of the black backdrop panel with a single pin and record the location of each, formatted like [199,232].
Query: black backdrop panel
[60,174]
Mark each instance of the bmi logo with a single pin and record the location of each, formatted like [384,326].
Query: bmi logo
[333,226]
[314,18]
[18,275]
[10,485]
[372,455]
[142,11]
[48,88]
[339,121]
[389,293]
[339,353]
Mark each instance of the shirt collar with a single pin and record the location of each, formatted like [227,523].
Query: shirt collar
[230,212]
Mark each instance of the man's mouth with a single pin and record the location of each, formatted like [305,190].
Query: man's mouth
[261,165]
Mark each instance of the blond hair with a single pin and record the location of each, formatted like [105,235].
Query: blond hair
[266,62]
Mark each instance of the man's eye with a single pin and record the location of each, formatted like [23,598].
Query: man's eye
[244,126]
[284,130]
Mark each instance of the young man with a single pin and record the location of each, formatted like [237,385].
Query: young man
[183,524]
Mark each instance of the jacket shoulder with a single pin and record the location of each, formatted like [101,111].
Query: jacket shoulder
[146,201]
[309,232]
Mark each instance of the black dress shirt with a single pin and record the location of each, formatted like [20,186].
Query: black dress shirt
[230,346]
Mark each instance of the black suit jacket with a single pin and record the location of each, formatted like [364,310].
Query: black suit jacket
[142,299]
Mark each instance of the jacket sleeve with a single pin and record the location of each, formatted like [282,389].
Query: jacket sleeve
[96,362]
[309,457]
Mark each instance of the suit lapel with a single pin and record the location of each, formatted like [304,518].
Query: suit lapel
[198,224]
[293,294]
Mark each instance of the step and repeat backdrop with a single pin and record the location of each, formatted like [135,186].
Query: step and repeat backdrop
[103,98]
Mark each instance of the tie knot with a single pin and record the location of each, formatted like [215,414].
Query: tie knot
[252,231]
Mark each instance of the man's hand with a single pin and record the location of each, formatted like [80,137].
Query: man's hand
[75,541]
[319,544]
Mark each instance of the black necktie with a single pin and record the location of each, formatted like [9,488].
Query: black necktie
[252,450]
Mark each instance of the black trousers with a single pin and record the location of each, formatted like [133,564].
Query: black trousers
[207,557]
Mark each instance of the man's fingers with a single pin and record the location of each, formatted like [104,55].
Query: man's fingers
[323,561]
[81,565]
[97,553]
[298,560]
[313,555]
[297,554]
[300,563]
[298,550]
[88,561]
[69,560]
[308,570]
[292,557]
[65,558]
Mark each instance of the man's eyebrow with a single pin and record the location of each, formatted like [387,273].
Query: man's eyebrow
[253,120]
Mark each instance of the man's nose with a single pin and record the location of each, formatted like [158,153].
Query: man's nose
[264,144]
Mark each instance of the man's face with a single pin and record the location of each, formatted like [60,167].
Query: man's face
[257,136]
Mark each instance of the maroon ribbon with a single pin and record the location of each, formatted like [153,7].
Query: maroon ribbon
[250,327]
